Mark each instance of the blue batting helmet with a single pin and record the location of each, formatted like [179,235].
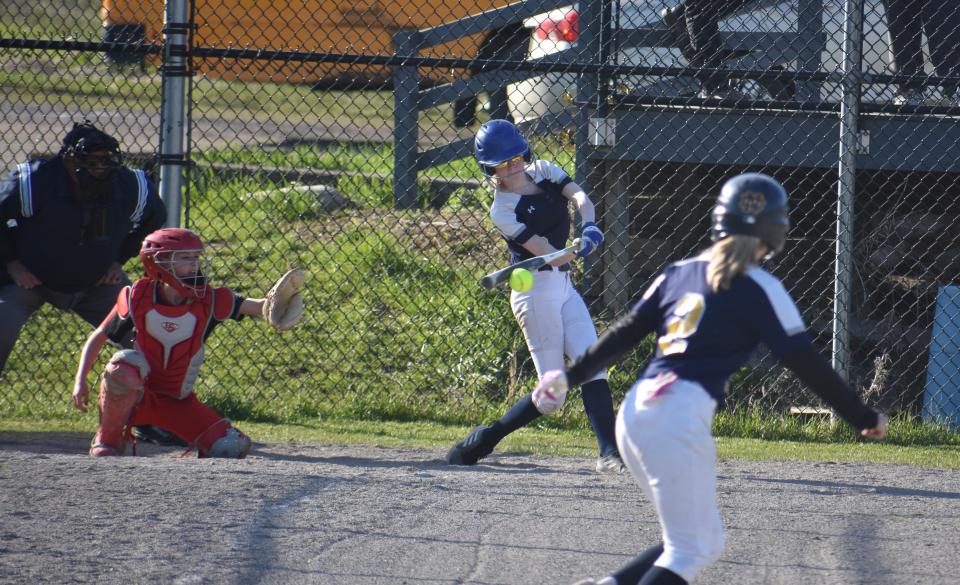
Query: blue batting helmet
[498,141]
[752,204]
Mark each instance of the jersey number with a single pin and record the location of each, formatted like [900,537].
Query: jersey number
[683,323]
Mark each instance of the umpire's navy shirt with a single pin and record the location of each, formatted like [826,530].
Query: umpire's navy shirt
[62,243]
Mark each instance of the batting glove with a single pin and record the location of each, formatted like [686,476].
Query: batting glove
[591,237]
[551,392]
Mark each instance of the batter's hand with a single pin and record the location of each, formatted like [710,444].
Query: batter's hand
[879,431]
[21,276]
[114,275]
[81,395]
[591,236]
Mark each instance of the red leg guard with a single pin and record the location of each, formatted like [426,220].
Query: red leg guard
[223,440]
[117,400]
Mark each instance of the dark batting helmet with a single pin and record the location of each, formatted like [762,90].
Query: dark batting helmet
[752,204]
[497,142]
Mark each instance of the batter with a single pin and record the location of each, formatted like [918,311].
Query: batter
[531,210]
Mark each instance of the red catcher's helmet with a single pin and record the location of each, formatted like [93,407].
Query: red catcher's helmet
[159,253]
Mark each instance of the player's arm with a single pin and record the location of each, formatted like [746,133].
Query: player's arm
[9,216]
[11,213]
[780,327]
[590,235]
[551,392]
[154,218]
[252,307]
[619,338]
[816,373]
[88,357]
[116,326]
[581,201]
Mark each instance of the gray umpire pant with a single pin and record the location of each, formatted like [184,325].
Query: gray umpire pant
[17,304]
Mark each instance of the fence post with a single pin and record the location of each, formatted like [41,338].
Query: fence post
[589,173]
[809,23]
[846,186]
[406,113]
[616,223]
[173,113]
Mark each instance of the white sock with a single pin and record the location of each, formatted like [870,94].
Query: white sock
[607,581]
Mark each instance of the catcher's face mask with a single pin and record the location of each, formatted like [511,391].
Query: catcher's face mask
[175,256]
[187,268]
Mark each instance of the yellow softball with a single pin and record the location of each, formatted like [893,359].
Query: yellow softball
[521,280]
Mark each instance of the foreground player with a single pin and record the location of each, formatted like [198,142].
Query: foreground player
[531,210]
[172,312]
[709,313]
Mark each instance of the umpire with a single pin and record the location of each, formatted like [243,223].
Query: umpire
[67,226]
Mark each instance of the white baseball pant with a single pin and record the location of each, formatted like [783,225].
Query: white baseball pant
[665,441]
[555,321]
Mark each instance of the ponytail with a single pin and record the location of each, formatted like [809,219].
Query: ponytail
[729,257]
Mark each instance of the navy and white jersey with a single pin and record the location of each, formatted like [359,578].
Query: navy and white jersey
[706,336]
[545,213]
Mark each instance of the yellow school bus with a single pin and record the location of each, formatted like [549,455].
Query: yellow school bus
[362,27]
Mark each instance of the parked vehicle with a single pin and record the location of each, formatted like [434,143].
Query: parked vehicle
[363,27]
[559,31]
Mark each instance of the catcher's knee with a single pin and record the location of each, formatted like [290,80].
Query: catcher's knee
[224,441]
[125,372]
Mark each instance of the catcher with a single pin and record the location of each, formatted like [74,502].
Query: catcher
[172,311]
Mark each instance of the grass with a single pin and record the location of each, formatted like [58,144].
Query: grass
[51,19]
[544,441]
[398,335]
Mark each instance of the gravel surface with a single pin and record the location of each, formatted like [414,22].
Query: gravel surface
[331,515]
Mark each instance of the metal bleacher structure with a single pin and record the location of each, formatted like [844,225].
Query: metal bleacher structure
[615,130]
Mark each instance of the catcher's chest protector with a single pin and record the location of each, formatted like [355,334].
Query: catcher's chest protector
[171,337]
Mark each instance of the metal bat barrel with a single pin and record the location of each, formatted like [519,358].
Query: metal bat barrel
[503,275]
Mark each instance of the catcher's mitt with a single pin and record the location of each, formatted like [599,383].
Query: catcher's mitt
[284,307]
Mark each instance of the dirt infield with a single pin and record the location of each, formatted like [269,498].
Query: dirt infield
[334,515]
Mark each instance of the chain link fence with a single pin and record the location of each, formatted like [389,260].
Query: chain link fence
[338,136]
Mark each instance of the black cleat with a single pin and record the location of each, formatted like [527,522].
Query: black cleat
[471,449]
[157,436]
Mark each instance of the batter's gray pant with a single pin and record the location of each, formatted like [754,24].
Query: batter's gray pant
[17,304]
